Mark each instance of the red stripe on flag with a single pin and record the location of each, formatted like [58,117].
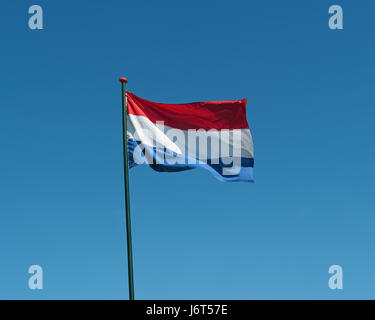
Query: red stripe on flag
[207,115]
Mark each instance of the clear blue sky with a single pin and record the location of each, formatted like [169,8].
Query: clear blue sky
[311,111]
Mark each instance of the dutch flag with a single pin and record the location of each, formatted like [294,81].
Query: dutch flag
[213,135]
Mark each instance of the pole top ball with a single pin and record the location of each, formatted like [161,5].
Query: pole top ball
[123,80]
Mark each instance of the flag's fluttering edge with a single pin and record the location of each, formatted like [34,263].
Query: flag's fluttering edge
[174,137]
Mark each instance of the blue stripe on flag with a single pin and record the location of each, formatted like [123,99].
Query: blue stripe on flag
[158,163]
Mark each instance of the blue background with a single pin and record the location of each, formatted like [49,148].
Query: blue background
[310,108]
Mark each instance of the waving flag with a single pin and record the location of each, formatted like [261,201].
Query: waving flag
[175,137]
[212,135]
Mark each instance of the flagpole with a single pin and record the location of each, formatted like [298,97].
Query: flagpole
[126,181]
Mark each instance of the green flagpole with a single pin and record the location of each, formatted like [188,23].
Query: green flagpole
[126,180]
